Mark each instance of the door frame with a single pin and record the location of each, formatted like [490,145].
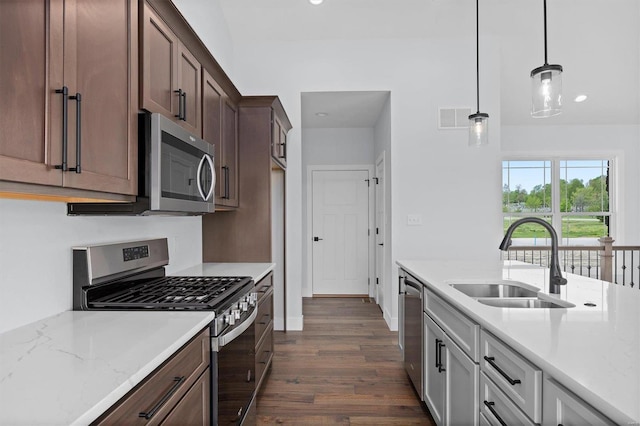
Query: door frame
[309,231]
[382,262]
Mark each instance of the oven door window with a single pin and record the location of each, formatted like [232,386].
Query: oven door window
[186,171]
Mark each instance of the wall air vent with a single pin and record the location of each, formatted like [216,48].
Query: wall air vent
[453,118]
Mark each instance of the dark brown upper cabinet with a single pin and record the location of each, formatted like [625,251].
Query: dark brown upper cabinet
[220,127]
[279,140]
[171,74]
[69,80]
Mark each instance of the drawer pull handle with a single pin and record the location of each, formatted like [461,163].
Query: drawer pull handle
[494,412]
[268,319]
[178,381]
[267,353]
[491,360]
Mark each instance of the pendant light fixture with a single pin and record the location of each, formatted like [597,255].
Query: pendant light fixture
[546,84]
[478,122]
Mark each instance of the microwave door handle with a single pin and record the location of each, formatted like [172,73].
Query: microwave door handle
[198,174]
[212,168]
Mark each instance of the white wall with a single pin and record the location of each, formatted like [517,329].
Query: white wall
[434,173]
[330,147]
[207,18]
[36,238]
[620,142]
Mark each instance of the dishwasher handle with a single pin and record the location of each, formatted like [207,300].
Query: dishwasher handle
[413,288]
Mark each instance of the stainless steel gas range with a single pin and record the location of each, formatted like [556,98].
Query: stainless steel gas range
[131,275]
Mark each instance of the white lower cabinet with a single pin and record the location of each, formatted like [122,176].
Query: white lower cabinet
[451,379]
[496,406]
[562,407]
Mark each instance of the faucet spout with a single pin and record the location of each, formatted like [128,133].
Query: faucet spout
[555,275]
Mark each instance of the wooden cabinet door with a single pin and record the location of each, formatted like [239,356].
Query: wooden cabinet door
[100,41]
[30,111]
[212,95]
[190,87]
[230,152]
[194,407]
[159,64]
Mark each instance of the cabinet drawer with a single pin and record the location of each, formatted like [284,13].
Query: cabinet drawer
[263,286]
[561,406]
[195,407]
[264,355]
[517,377]
[461,329]
[265,314]
[497,408]
[163,388]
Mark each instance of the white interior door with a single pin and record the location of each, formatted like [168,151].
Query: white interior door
[340,232]
[380,237]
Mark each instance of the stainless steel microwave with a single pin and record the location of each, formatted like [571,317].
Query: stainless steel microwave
[176,173]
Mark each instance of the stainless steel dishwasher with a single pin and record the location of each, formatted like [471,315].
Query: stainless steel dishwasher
[412,326]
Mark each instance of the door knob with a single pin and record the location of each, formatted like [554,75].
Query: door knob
[317,239]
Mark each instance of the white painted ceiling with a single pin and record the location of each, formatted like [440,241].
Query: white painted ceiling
[597,42]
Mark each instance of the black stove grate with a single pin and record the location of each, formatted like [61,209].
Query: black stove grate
[174,293]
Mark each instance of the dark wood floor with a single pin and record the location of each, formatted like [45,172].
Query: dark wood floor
[345,368]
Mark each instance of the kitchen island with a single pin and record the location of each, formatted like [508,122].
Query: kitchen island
[591,349]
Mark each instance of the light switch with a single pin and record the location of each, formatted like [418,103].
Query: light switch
[414,219]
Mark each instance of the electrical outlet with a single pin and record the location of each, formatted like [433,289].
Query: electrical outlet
[414,219]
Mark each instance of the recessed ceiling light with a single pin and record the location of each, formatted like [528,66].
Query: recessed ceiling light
[580,98]
[316,2]
[322,114]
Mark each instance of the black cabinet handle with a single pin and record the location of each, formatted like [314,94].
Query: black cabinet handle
[440,367]
[437,347]
[178,381]
[78,99]
[65,130]
[267,353]
[227,190]
[179,114]
[184,106]
[490,405]
[491,360]
[317,239]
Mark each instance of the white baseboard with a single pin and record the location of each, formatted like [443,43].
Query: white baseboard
[392,322]
[293,324]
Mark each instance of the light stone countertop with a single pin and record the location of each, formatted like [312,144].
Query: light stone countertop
[593,351]
[70,368]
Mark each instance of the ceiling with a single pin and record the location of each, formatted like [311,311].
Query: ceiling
[596,41]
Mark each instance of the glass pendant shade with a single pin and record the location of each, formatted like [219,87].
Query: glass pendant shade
[479,129]
[546,91]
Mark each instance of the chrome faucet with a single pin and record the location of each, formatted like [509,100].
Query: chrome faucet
[555,275]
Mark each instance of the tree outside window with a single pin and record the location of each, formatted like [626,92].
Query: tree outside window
[572,195]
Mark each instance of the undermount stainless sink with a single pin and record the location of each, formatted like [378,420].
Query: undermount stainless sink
[525,303]
[508,294]
[494,290]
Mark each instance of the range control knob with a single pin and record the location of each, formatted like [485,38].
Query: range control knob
[236,313]
[245,306]
[230,319]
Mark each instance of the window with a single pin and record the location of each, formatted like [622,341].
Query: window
[572,195]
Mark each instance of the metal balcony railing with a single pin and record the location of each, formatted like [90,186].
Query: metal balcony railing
[617,264]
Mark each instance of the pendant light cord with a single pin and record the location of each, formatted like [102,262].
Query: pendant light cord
[478,56]
[545,31]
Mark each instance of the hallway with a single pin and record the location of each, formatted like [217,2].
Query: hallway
[345,368]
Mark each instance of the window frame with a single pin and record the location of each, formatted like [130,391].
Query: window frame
[555,213]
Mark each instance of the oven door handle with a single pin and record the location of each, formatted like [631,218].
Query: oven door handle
[220,341]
